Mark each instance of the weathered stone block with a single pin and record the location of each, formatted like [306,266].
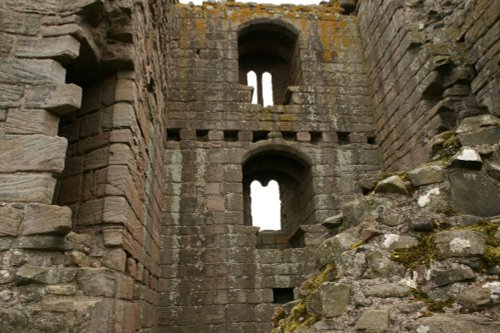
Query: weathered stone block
[39,242]
[444,323]
[426,175]
[19,23]
[474,193]
[96,281]
[331,299]
[32,71]
[477,298]
[39,121]
[62,48]
[58,99]
[115,259]
[46,219]
[32,153]
[373,321]
[466,158]
[387,290]
[10,218]
[10,95]
[331,248]
[27,187]
[393,184]
[442,277]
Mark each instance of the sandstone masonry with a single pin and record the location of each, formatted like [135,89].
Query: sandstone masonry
[129,140]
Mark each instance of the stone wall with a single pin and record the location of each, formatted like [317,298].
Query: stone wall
[218,272]
[128,142]
[431,65]
[92,267]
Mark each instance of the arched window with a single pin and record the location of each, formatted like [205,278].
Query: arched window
[267,89]
[266,205]
[269,49]
[252,82]
[296,197]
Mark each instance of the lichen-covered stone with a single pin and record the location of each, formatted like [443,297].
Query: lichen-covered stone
[466,158]
[459,243]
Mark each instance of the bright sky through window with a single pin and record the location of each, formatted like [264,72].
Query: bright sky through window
[267,88]
[266,205]
[252,82]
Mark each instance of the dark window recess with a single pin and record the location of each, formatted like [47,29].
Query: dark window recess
[316,137]
[343,138]
[282,295]
[230,136]
[202,135]
[289,136]
[173,134]
[371,140]
[259,136]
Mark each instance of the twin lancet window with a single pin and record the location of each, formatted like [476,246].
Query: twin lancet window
[262,88]
[268,60]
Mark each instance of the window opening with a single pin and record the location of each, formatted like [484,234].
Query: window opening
[202,135]
[259,136]
[270,50]
[252,82]
[174,134]
[267,89]
[266,205]
[282,295]
[230,136]
[343,138]
[316,137]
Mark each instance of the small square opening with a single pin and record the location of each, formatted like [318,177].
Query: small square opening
[343,138]
[316,137]
[289,136]
[202,135]
[371,140]
[260,135]
[230,136]
[282,295]
[174,134]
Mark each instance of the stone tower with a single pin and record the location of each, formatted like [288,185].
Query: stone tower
[129,140]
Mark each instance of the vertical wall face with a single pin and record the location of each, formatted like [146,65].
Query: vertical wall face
[86,258]
[431,65]
[218,274]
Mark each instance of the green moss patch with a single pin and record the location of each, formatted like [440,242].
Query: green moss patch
[422,254]
[432,304]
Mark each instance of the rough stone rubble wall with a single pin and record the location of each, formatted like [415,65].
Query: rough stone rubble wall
[431,64]
[92,267]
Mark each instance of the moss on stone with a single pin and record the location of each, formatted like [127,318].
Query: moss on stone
[313,283]
[433,305]
[491,256]
[421,254]
[299,316]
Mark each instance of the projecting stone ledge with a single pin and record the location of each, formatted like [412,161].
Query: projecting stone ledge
[58,99]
